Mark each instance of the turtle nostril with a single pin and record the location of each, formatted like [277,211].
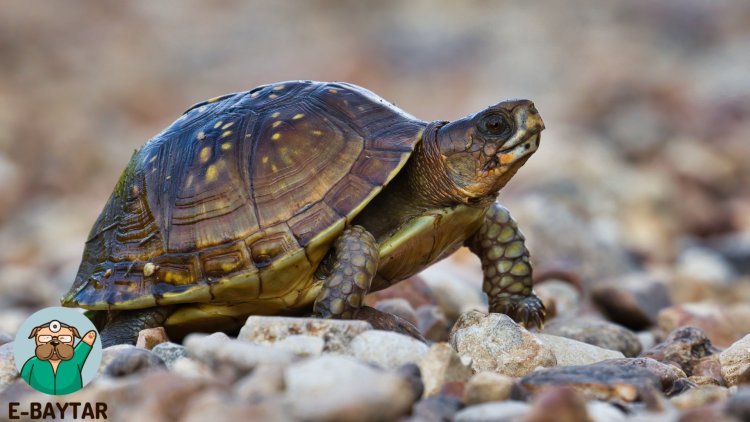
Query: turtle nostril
[532,109]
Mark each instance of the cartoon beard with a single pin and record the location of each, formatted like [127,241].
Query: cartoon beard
[47,351]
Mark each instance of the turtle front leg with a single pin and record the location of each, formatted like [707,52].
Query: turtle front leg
[123,327]
[507,268]
[355,264]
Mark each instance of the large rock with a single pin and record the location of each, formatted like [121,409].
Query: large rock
[505,411]
[494,342]
[683,347]
[486,387]
[332,387]
[440,365]
[599,381]
[712,318]
[603,334]
[335,333]
[633,301]
[572,352]
[735,361]
[386,349]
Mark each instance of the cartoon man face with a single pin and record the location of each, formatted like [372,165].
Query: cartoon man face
[54,341]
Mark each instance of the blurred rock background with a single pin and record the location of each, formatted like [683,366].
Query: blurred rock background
[641,184]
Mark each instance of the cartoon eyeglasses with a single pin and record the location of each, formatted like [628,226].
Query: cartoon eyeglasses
[61,339]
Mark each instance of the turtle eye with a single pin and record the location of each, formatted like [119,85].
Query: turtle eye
[495,124]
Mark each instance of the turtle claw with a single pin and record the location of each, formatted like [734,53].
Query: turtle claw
[526,310]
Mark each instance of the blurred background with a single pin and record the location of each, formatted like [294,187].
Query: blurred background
[643,172]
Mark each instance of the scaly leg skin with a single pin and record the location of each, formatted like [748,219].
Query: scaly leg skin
[506,267]
[356,260]
[123,327]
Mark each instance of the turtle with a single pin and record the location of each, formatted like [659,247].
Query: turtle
[299,198]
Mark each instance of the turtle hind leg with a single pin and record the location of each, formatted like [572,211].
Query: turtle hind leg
[356,257]
[507,268]
[123,327]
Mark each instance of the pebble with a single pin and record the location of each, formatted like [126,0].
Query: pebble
[565,403]
[683,347]
[572,352]
[133,360]
[505,411]
[599,381]
[667,374]
[233,358]
[738,404]
[150,337]
[386,349]
[454,296]
[109,354]
[335,333]
[216,405]
[440,365]
[735,361]
[169,352]
[560,295]
[384,321]
[435,408]
[605,334]
[433,324]
[705,265]
[399,307]
[699,396]
[5,338]
[265,381]
[633,301]
[708,369]
[334,387]
[709,317]
[413,375]
[494,342]
[191,368]
[8,370]
[486,387]
[302,345]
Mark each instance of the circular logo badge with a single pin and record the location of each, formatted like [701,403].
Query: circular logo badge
[57,350]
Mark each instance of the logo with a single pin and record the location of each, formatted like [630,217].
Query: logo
[57,351]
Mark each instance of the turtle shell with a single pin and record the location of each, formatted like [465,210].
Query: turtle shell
[241,197]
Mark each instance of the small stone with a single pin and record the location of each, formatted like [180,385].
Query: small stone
[453,389]
[506,411]
[5,338]
[708,367]
[494,342]
[667,374]
[336,333]
[150,337]
[439,365]
[169,352]
[388,322]
[8,370]
[603,334]
[334,387]
[683,347]
[265,381]
[705,265]
[433,324]
[700,396]
[454,296]
[133,360]
[435,408]
[302,345]
[413,375]
[486,387]
[572,352]
[414,290]
[633,301]
[563,402]
[561,295]
[233,358]
[191,368]
[600,411]
[738,404]
[386,349]
[214,405]
[599,381]
[399,307]
[709,317]
[735,361]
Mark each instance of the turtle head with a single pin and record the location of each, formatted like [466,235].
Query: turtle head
[483,151]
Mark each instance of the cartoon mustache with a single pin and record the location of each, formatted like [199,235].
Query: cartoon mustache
[47,350]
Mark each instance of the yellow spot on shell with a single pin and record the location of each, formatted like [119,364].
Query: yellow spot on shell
[213,100]
[226,146]
[216,126]
[211,173]
[272,96]
[333,91]
[276,136]
[189,181]
[205,154]
[149,269]
[317,132]
[226,126]
[276,123]
[201,136]
[265,159]
[298,116]
[255,94]
[108,272]
[276,114]
[274,168]
[226,133]
[278,87]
